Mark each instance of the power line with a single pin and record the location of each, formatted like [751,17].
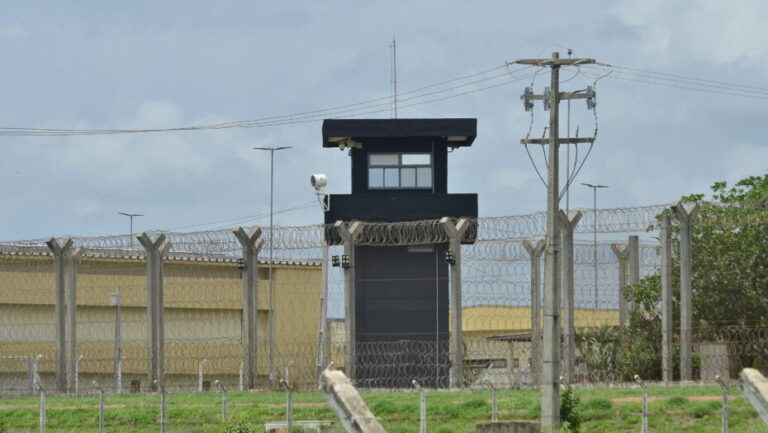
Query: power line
[722,83]
[301,117]
[243,219]
[692,84]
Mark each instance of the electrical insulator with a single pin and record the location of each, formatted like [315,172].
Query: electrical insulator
[527,103]
[547,95]
[591,98]
[335,261]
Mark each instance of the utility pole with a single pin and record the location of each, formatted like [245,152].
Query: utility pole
[550,380]
[594,229]
[271,293]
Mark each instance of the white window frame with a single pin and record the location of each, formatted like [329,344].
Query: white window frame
[425,185]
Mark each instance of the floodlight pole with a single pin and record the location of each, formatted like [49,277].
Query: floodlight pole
[130,217]
[594,228]
[271,313]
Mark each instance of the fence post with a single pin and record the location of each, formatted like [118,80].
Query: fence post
[322,357]
[494,407]
[645,403]
[724,387]
[43,415]
[686,216]
[348,232]
[422,407]
[101,405]
[155,251]
[77,375]
[621,255]
[535,252]
[70,336]
[567,225]
[224,403]
[115,300]
[35,376]
[455,233]
[251,243]
[285,382]
[30,375]
[242,372]
[163,420]
[59,251]
[119,387]
[200,366]
[633,263]
[665,233]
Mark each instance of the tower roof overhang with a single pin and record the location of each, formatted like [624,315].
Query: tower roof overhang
[456,132]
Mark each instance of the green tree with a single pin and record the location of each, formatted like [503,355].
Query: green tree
[730,256]
[730,290]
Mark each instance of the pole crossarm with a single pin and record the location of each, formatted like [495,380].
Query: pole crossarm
[561,96]
[573,140]
[554,62]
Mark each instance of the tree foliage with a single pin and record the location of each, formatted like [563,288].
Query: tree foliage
[730,256]
[730,287]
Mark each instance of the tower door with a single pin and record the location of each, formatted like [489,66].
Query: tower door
[401,315]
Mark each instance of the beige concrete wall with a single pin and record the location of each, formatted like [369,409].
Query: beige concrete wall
[203,314]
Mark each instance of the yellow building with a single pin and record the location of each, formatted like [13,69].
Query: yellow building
[500,336]
[203,316]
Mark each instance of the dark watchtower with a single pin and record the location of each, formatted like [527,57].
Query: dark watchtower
[400,173]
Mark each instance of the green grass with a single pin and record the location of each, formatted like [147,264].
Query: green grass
[605,410]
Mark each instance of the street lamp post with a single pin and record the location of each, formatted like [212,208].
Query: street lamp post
[131,216]
[271,312]
[594,228]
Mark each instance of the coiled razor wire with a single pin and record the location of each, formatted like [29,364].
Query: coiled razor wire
[304,242]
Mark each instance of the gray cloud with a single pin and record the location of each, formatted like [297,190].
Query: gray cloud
[98,65]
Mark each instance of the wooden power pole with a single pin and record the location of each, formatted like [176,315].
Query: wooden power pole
[550,369]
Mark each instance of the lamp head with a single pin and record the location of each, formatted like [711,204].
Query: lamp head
[318,181]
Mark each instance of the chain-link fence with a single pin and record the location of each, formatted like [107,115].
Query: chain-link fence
[302,307]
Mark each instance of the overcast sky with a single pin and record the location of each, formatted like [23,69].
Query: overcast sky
[147,64]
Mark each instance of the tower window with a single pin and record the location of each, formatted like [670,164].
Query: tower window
[399,170]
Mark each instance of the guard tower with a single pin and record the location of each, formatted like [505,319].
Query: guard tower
[399,324]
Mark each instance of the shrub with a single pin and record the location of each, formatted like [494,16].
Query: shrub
[569,414]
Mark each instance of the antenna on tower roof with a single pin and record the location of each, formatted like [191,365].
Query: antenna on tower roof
[393,75]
